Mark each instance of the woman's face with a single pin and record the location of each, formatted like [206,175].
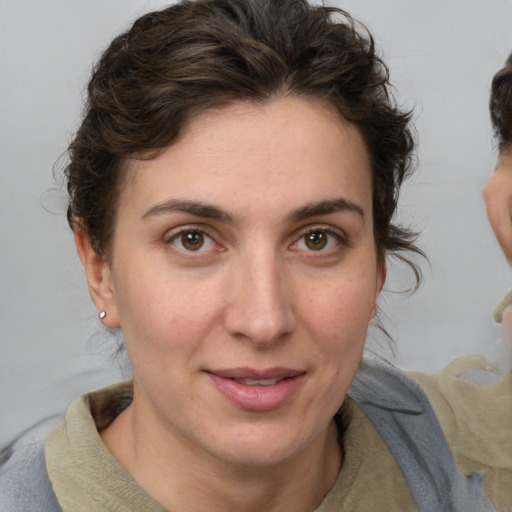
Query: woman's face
[244,276]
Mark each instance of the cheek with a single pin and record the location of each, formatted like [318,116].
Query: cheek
[160,312]
[342,308]
[337,320]
[337,324]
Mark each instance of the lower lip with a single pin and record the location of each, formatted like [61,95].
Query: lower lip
[258,398]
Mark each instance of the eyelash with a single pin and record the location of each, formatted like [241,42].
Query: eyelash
[339,238]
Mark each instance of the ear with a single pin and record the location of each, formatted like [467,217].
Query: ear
[99,277]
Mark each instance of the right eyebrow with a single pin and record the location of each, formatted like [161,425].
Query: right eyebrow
[197,208]
[325,208]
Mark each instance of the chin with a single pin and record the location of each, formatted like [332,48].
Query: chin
[260,446]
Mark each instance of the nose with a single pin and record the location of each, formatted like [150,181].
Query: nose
[260,307]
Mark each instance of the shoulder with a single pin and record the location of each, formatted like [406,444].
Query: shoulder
[471,400]
[24,482]
[430,431]
[474,408]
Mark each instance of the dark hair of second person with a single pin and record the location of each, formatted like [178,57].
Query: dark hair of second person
[500,104]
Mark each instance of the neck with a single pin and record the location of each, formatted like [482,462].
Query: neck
[182,478]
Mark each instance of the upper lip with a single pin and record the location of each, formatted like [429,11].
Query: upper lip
[251,373]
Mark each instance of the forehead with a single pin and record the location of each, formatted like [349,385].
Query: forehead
[284,151]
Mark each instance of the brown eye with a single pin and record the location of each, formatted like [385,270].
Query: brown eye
[319,240]
[192,240]
[189,241]
[316,241]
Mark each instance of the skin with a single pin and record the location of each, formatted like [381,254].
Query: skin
[255,295]
[498,199]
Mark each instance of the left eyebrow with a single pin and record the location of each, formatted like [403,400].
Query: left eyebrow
[197,208]
[325,208]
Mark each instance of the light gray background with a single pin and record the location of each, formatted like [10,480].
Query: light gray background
[442,55]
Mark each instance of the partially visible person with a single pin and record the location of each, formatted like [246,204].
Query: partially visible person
[498,189]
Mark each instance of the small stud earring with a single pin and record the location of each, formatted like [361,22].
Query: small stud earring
[102,315]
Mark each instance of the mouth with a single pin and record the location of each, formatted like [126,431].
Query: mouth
[255,390]
[258,382]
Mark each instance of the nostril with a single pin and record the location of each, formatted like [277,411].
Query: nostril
[259,328]
[259,305]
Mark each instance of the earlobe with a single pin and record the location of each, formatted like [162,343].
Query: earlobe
[99,278]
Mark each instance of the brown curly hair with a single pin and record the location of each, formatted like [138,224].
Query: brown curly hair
[200,54]
[500,105]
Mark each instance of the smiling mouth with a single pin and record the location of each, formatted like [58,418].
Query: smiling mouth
[258,390]
[258,382]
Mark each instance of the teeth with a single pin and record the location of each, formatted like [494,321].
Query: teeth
[261,382]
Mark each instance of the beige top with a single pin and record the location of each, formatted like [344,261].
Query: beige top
[476,420]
